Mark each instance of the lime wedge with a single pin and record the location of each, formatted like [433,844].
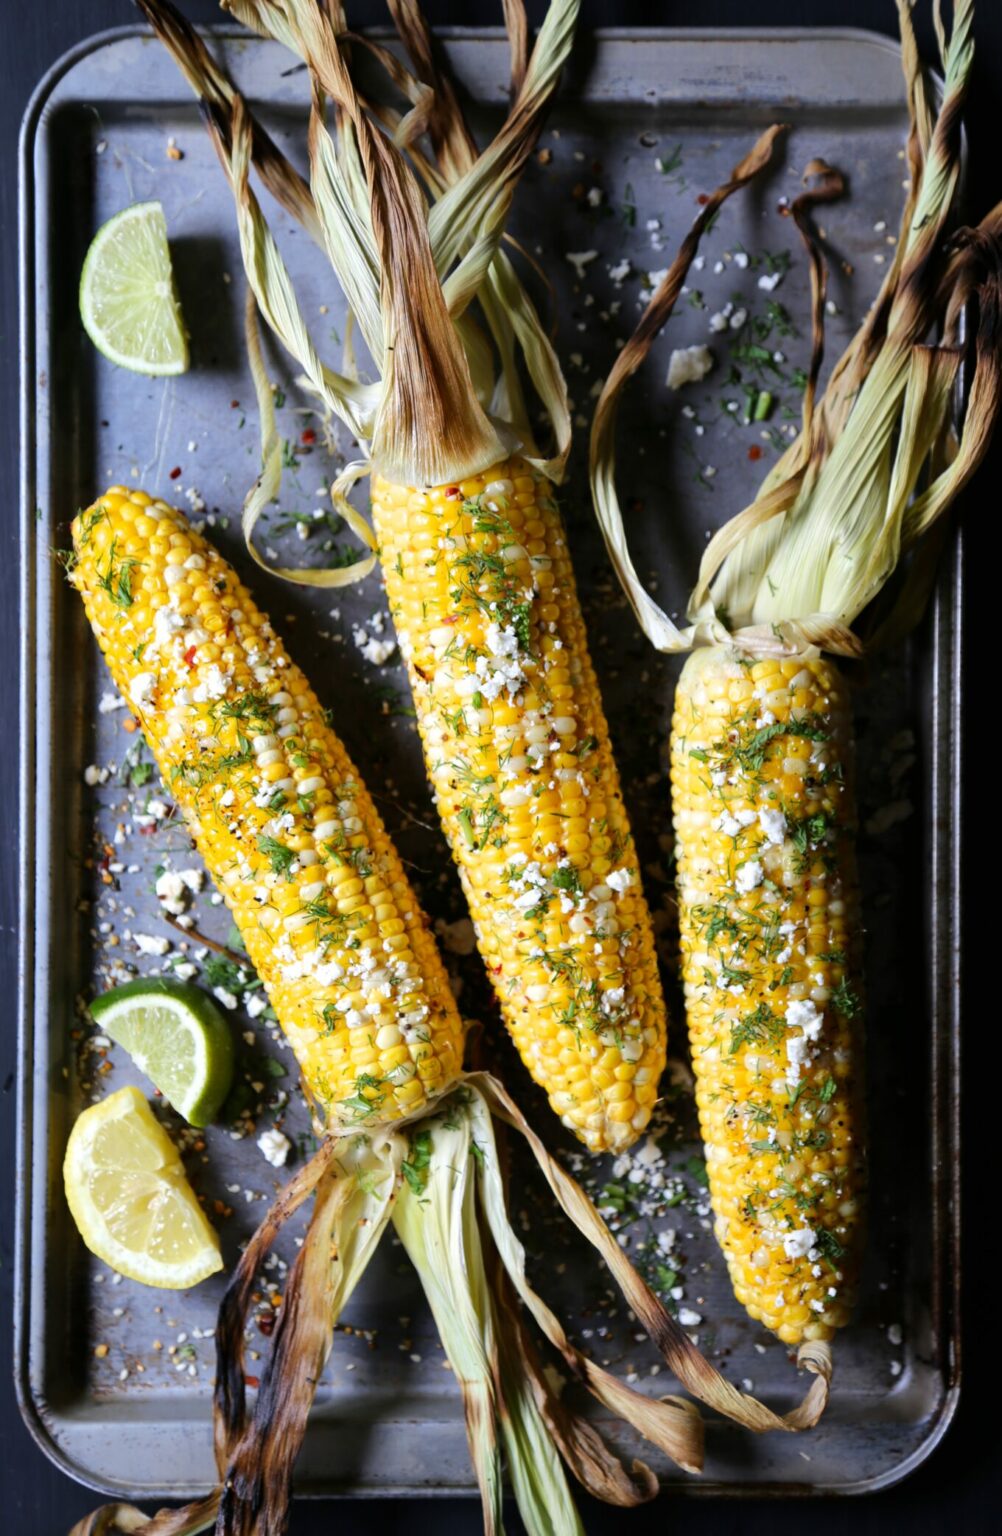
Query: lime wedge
[128,302]
[177,1036]
[127,1191]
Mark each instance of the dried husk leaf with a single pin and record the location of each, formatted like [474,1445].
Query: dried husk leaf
[695,1373]
[583,1450]
[355,1191]
[655,623]
[216,93]
[127,1519]
[265,489]
[438,1217]
[257,1484]
[845,501]
[428,420]
[230,1398]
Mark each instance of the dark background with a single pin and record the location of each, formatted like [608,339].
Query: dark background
[960,1485]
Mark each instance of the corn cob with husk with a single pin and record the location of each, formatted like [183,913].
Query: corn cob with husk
[761,754]
[319,894]
[296,846]
[470,539]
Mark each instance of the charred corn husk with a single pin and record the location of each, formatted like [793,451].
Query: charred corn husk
[277,810]
[769,925]
[291,838]
[483,596]
[470,541]
[761,756]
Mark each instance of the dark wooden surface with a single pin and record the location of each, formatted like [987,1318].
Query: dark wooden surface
[959,1488]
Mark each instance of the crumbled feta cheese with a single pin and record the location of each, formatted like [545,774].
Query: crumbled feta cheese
[579,260]
[141,688]
[797,1052]
[620,272]
[172,892]
[256,1004]
[213,685]
[185,970]
[226,998]
[770,280]
[376,651]
[688,1318]
[94,775]
[687,365]
[151,944]
[275,1147]
[798,1244]
[109,702]
[773,824]
[895,1335]
[804,1014]
[619,880]
[749,875]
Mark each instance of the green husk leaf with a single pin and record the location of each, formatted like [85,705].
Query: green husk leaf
[438,1219]
[438,1228]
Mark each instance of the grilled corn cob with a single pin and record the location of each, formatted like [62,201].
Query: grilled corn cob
[472,549]
[291,837]
[482,594]
[768,917]
[277,810]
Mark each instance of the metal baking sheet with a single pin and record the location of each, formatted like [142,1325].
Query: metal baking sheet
[650,120]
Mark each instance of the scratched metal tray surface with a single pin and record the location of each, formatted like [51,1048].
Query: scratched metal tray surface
[645,123]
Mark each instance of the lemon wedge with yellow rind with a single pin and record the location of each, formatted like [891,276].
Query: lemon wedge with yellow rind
[129,1196]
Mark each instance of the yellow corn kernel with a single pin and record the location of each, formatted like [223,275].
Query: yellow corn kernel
[355,978]
[483,597]
[766,885]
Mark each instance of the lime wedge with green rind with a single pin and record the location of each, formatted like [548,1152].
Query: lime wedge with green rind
[177,1036]
[128,299]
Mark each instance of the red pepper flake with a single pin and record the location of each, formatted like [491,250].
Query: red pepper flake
[266,1323]
[175,472]
[754,452]
[307,437]
[251,1381]
[703,199]
[234,405]
[189,656]
[453,493]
